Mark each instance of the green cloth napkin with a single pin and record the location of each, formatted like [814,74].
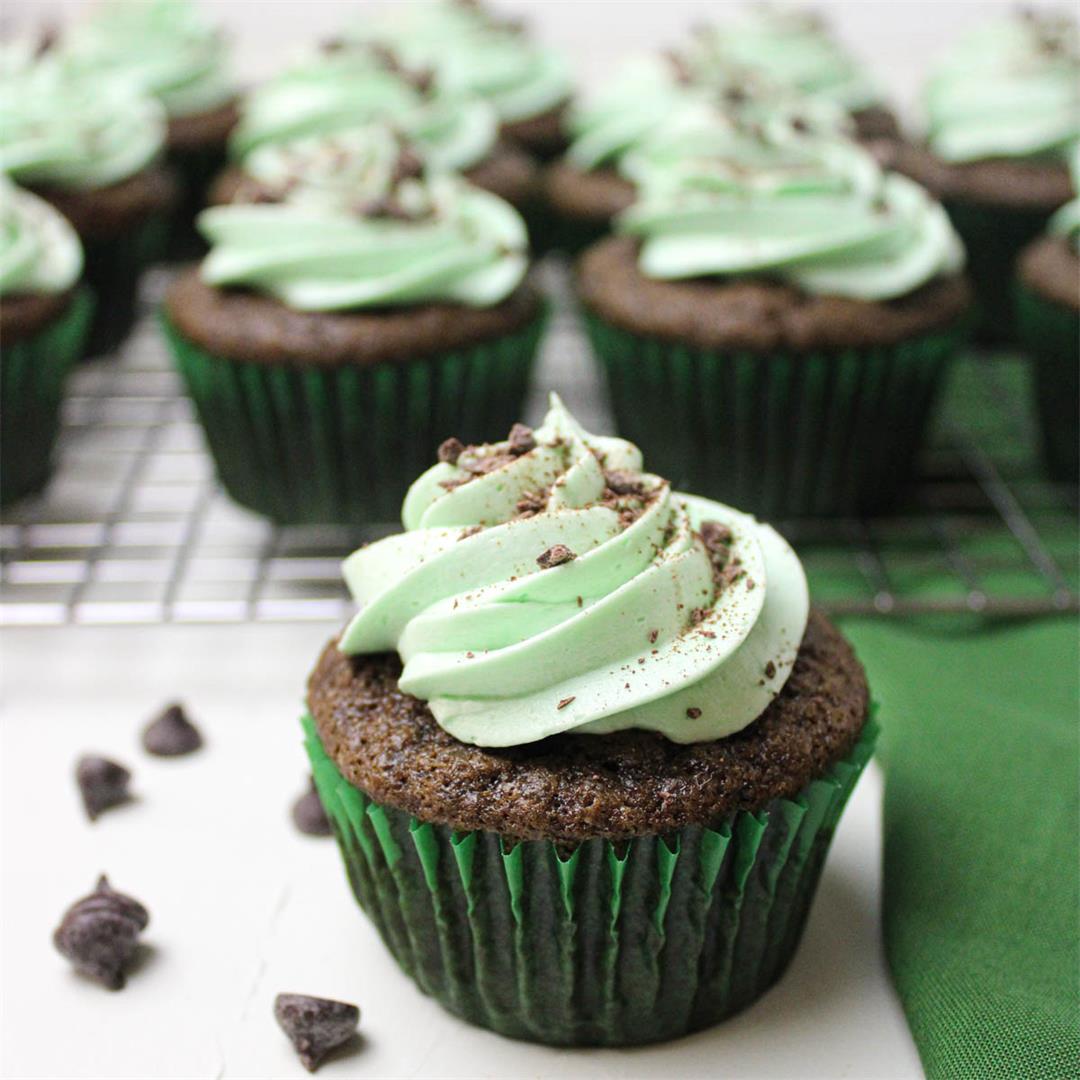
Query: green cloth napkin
[981,747]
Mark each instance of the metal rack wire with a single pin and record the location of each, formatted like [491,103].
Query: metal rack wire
[134,529]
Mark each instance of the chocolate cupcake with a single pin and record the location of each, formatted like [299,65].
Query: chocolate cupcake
[172,53]
[1002,112]
[44,315]
[1048,325]
[91,147]
[795,310]
[330,344]
[584,746]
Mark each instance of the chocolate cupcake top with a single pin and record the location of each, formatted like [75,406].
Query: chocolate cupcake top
[389,235]
[39,250]
[64,130]
[165,48]
[814,212]
[1011,89]
[547,584]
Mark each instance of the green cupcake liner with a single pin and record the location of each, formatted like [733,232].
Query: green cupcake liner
[782,435]
[994,236]
[1051,333]
[32,374]
[607,944]
[341,445]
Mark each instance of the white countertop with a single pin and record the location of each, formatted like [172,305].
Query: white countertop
[243,907]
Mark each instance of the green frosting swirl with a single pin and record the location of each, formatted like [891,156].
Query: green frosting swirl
[675,614]
[388,241]
[68,131]
[39,251]
[815,212]
[164,47]
[470,52]
[1010,89]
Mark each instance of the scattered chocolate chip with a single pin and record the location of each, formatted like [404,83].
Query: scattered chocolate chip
[521,439]
[698,615]
[565,701]
[408,166]
[580,601]
[308,814]
[314,1025]
[555,556]
[102,783]
[751,584]
[450,450]
[171,734]
[799,124]
[770,670]
[714,535]
[624,483]
[529,504]
[99,934]
[693,712]
[472,530]
[653,635]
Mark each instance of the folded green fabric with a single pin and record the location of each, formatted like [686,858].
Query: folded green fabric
[981,745]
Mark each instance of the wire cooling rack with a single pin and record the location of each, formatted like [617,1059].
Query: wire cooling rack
[134,529]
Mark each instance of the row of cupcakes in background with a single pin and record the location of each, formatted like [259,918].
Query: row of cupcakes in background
[789,297]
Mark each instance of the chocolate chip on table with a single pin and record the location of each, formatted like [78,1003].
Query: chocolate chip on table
[314,1025]
[102,784]
[308,814]
[171,734]
[450,450]
[99,934]
[555,556]
[521,439]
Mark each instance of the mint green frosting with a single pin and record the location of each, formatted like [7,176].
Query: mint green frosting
[380,244]
[39,251]
[818,213]
[69,131]
[165,47]
[1009,89]
[471,52]
[632,633]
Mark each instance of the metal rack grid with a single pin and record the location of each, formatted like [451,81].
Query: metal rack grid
[134,529]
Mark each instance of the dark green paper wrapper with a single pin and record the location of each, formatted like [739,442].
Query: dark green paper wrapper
[1051,333]
[32,374]
[342,444]
[608,945]
[783,435]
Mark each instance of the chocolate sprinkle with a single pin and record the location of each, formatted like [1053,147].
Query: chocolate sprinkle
[315,1025]
[308,814]
[450,450]
[565,701]
[99,934]
[555,556]
[770,670]
[521,439]
[102,784]
[693,712]
[624,483]
[653,635]
[171,734]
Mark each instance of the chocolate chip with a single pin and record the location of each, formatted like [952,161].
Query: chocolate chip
[521,439]
[565,701]
[555,556]
[653,635]
[171,734]
[408,165]
[698,615]
[99,934]
[308,814]
[450,450]
[622,482]
[770,670]
[314,1025]
[530,503]
[693,712]
[102,783]
[714,535]
[472,530]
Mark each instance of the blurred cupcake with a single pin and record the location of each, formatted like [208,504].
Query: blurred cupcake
[44,315]
[1048,325]
[585,745]
[1002,112]
[167,50]
[330,344]
[307,116]
[469,51]
[91,147]
[793,307]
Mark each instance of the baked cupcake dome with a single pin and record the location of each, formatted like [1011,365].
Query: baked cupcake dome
[44,315]
[630,835]
[793,307]
[329,345]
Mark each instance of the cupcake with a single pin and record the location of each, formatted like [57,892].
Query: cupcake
[44,315]
[1048,325]
[1002,112]
[584,745]
[306,117]
[794,309]
[167,50]
[469,51]
[91,147]
[330,344]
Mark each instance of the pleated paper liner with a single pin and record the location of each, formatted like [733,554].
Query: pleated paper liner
[608,944]
[32,374]
[309,444]
[1051,333]
[781,435]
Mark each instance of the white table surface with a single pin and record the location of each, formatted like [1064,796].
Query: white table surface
[243,907]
